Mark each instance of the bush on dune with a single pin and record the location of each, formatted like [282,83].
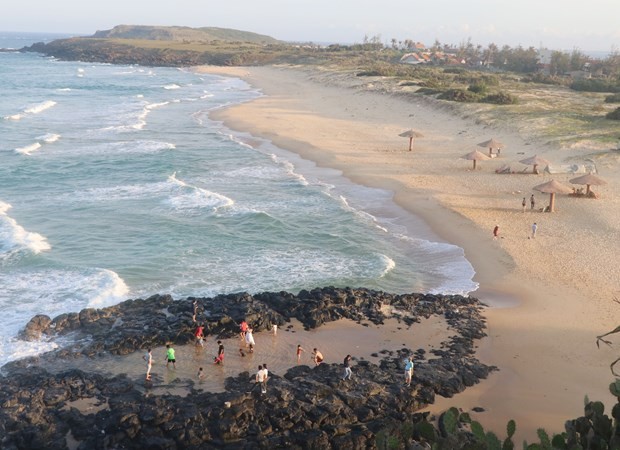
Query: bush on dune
[614,115]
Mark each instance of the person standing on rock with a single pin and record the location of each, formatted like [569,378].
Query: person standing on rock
[299,351]
[219,359]
[148,357]
[317,357]
[347,368]
[170,358]
[496,232]
[408,370]
[266,372]
[259,380]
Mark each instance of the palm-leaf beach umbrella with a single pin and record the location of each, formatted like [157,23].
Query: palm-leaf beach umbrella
[534,161]
[474,156]
[589,180]
[552,187]
[411,134]
[491,144]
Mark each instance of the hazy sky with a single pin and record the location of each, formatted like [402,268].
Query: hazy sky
[557,24]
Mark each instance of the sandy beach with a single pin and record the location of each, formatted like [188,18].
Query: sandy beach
[549,297]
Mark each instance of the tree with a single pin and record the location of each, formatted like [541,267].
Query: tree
[560,63]
[577,60]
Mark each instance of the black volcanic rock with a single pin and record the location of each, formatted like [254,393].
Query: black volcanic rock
[304,408]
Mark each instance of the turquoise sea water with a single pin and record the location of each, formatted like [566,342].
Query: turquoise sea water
[115,184]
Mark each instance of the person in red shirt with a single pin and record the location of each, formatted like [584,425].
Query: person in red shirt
[243,327]
[199,335]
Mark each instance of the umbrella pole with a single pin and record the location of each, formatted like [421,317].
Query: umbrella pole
[410,143]
[551,202]
[474,164]
[587,189]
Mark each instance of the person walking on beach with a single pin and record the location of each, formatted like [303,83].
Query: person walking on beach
[200,375]
[523,203]
[347,368]
[299,350]
[219,359]
[243,327]
[148,357]
[408,370]
[249,339]
[317,357]
[170,358]
[534,229]
[495,232]
[199,335]
[532,202]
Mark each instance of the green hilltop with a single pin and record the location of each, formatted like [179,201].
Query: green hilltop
[175,33]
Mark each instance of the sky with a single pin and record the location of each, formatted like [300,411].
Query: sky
[592,25]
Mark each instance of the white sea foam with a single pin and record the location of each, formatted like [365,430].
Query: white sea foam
[448,264]
[130,147]
[36,109]
[49,138]
[64,90]
[288,269]
[31,110]
[390,264]
[28,149]
[136,119]
[50,292]
[14,238]
[109,289]
[195,198]
[172,86]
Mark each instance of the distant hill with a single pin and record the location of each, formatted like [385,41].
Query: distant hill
[205,34]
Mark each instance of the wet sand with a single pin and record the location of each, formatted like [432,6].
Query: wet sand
[334,340]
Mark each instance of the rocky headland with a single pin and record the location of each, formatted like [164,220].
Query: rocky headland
[304,408]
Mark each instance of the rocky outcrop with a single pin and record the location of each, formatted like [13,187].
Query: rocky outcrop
[113,51]
[141,323]
[303,408]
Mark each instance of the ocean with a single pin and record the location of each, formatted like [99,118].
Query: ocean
[115,184]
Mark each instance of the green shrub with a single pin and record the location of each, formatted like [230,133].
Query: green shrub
[614,115]
[455,70]
[595,85]
[478,88]
[615,98]
[501,98]
[459,95]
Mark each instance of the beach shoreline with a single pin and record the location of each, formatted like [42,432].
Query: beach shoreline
[547,299]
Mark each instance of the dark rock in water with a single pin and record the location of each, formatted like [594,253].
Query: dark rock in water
[35,328]
[304,408]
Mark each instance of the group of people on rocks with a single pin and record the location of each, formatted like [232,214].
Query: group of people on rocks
[262,375]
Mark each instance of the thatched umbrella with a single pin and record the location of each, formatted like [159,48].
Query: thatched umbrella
[588,180]
[534,161]
[491,144]
[411,134]
[475,156]
[552,187]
